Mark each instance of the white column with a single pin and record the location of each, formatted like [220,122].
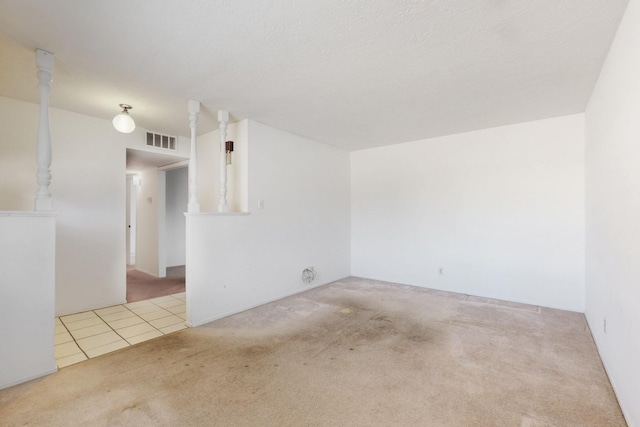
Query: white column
[44,61]
[223,118]
[194,109]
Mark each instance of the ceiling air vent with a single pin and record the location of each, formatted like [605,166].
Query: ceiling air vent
[165,142]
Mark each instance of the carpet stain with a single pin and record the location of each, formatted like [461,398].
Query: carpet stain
[355,352]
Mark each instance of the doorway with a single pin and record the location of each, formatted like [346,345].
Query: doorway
[157,197]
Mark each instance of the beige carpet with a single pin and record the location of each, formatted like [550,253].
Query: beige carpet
[353,353]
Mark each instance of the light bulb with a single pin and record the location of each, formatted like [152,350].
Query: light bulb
[124,123]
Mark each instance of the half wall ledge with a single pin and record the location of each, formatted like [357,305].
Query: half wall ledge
[27,295]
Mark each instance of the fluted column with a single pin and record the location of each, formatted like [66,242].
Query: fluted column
[193,206]
[223,118]
[44,61]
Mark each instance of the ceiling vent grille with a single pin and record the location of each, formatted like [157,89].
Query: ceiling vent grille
[164,142]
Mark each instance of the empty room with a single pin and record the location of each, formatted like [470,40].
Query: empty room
[382,213]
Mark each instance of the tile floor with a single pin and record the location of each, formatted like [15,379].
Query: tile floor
[93,333]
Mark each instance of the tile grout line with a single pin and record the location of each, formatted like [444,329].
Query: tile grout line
[141,318]
[74,340]
[135,314]
[123,338]
[114,330]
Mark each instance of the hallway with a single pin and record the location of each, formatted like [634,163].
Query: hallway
[93,333]
[142,286]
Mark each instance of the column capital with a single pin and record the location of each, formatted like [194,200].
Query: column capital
[44,60]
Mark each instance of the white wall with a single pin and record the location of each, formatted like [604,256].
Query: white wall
[613,214]
[500,210]
[89,195]
[27,292]
[19,130]
[177,181]
[88,188]
[149,207]
[239,261]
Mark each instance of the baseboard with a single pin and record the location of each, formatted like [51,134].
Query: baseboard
[574,308]
[149,273]
[277,298]
[29,378]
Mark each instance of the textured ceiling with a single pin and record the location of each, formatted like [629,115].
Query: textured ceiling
[353,74]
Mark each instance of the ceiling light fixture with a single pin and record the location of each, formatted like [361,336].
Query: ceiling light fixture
[123,121]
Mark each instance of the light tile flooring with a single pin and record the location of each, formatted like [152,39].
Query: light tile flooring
[93,333]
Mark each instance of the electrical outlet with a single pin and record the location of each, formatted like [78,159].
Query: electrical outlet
[605,326]
[441,271]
